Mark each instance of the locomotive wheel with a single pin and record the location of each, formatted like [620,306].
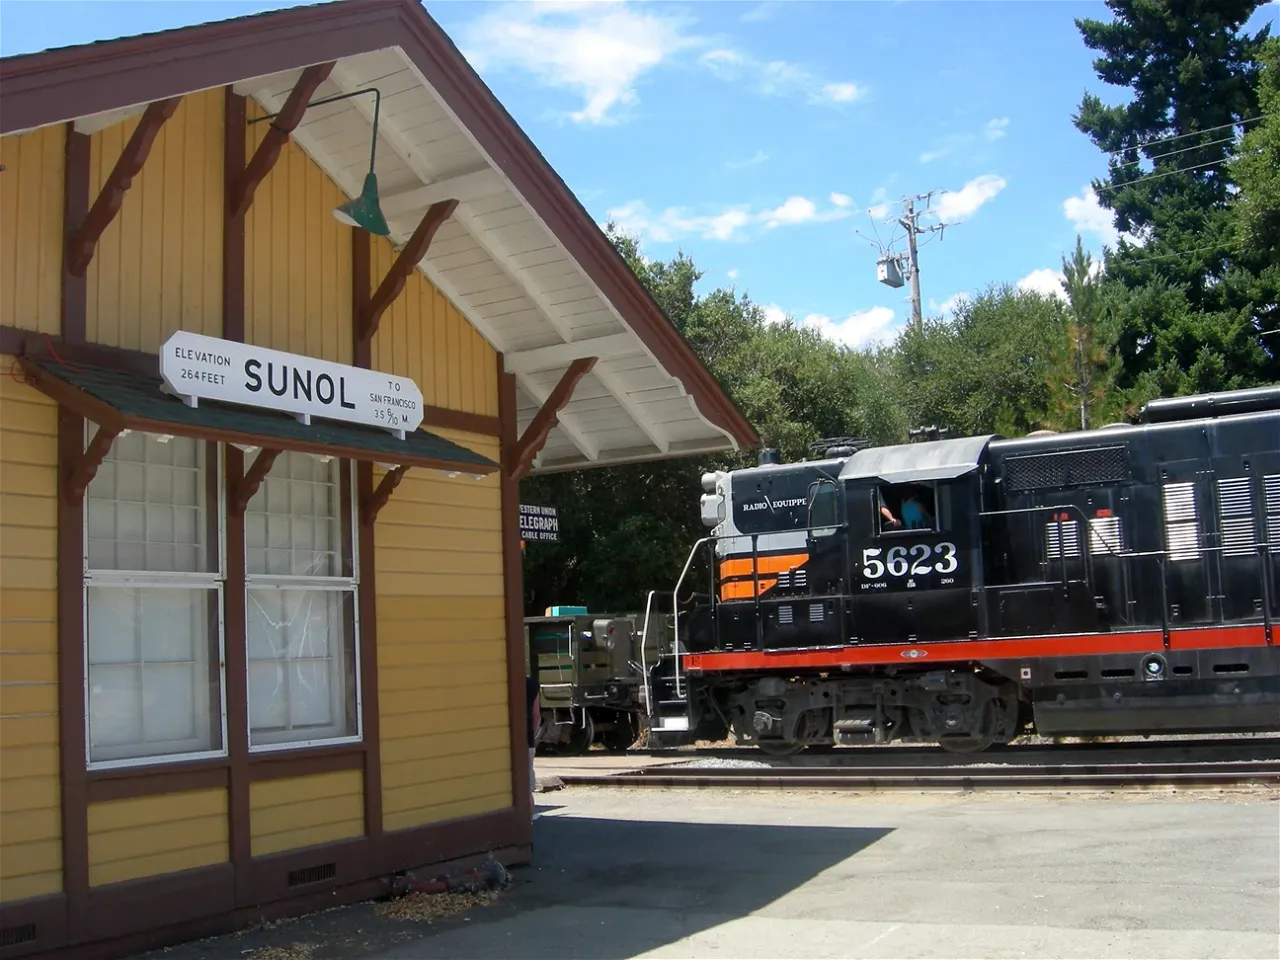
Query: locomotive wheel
[965,744]
[780,748]
[625,732]
[581,738]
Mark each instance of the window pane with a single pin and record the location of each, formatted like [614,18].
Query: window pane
[154,679]
[293,523]
[301,665]
[146,507]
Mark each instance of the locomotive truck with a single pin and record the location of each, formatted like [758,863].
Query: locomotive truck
[965,591]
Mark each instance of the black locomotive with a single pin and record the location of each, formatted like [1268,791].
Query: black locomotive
[965,591]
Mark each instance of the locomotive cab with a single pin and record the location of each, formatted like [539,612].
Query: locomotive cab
[914,541]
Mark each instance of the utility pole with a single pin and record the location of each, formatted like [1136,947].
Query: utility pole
[891,265]
[909,223]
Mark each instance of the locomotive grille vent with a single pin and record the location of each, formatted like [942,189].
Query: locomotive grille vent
[800,578]
[1181,524]
[1235,508]
[815,613]
[1272,484]
[785,615]
[1106,536]
[1042,471]
[1062,539]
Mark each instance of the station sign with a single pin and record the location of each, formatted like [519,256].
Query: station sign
[539,523]
[196,367]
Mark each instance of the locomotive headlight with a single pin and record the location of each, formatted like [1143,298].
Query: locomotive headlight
[712,505]
[709,482]
[1153,667]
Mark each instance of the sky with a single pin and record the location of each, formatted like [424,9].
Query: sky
[774,142]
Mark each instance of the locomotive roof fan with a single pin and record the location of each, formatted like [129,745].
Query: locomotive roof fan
[832,447]
[769,455]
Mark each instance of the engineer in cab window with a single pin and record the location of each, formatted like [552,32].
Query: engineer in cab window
[914,514]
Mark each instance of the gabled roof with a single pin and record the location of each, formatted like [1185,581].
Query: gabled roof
[520,257]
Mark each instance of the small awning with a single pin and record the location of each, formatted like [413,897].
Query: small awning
[129,400]
[917,462]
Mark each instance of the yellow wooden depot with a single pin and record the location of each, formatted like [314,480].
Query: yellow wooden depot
[186,181]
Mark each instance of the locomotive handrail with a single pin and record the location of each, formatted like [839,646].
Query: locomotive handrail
[644,666]
[675,608]
[1085,549]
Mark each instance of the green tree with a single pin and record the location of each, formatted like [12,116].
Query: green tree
[1192,79]
[1083,368]
[985,371]
[1256,169]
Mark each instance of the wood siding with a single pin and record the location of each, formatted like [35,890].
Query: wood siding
[31,229]
[442,684]
[158,266]
[297,285]
[305,811]
[146,836]
[423,336]
[30,841]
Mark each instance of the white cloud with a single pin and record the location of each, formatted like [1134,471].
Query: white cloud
[949,306]
[773,314]
[1044,281]
[754,160]
[599,50]
[733,274]
[777,78]
[842,92]
[1088,215]
[931,155]
[956,205]
[841,199]
[996,128]
[760,12]
[857,329]
[676,223]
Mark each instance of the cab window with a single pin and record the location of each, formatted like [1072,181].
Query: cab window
[823,508]
[907,507]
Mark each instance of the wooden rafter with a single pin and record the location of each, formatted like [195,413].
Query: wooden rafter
[86,466]
[378,499]
[282,125]
[535,435]
[412,253]
[248,485]
[85,239]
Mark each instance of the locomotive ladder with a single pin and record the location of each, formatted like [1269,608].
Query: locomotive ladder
[675,716]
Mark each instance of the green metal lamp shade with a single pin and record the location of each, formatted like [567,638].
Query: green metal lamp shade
[364,211]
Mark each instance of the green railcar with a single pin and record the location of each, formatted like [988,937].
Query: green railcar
[590,670]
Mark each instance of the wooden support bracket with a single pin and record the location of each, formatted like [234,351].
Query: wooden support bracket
[412,253]
[86,465]
[535,435]
[82,243]
[374,503]
[248,485]
[282,125]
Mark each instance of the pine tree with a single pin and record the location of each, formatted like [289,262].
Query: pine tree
[1193,78]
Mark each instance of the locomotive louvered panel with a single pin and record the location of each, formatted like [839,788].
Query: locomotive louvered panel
[1272,485]
[800,579]
[785,616]
[1181,522]
[1235,508]
[816,612]
[1069,468]
[1062,539]
[1106,536]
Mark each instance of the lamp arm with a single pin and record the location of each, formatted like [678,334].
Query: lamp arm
[377,109]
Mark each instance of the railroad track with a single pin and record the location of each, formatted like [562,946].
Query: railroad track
[935,776]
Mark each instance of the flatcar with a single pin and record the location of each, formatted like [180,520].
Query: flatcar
[966,591]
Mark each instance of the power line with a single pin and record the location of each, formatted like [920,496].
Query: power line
[1166,173]
[1181,136]
[1174,153]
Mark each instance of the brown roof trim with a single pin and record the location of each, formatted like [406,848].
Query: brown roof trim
[64,84]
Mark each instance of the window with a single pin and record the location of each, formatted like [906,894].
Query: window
[907,507]
[823,508]
[300,600]
[153,601]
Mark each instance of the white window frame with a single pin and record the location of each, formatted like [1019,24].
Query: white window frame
[213,581]
[349,585]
